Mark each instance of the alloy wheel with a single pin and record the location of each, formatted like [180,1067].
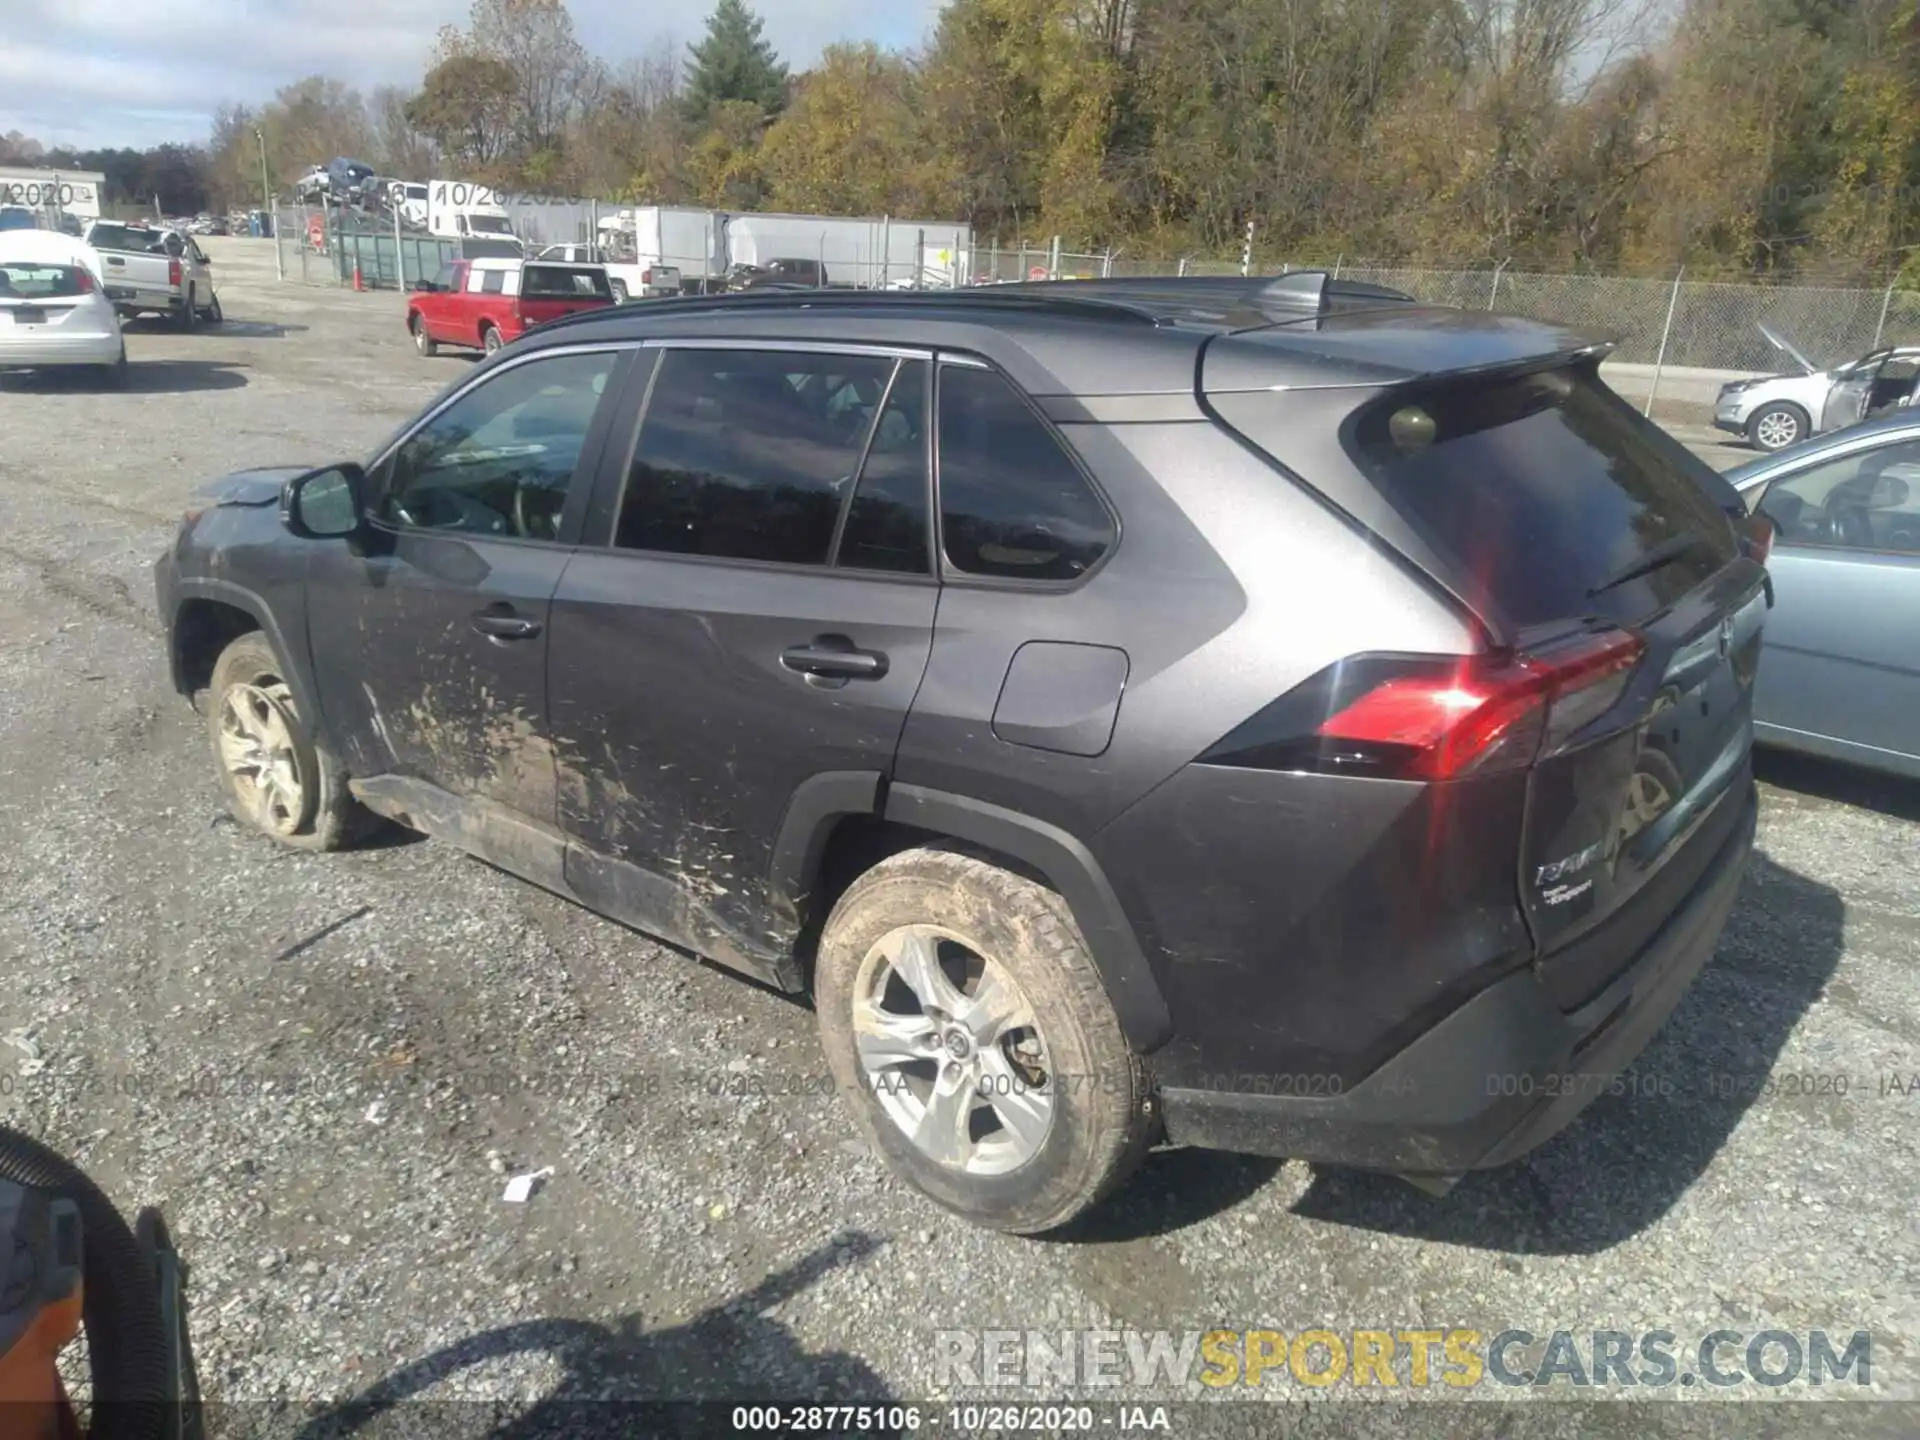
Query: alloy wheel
[951,1050]
[1777,430]
[256,745]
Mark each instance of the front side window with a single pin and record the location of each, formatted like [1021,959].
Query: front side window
[749,454]
[501,459]
[1013,504]
[1869,500]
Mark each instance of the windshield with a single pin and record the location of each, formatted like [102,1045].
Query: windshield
[488,225]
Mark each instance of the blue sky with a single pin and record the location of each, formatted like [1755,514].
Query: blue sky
[137,72]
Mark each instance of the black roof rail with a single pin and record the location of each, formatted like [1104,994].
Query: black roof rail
[785,301]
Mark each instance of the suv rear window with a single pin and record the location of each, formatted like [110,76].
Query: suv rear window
[1540,489]
[564,282]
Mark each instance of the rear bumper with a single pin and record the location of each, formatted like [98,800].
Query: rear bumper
[99,348]
[1501,1074]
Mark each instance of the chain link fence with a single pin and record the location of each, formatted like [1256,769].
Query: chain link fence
[1704,324]
[322,245]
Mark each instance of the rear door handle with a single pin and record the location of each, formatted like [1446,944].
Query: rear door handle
[498,622]
[833,657]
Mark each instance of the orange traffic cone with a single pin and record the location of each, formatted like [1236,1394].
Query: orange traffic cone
[356,277]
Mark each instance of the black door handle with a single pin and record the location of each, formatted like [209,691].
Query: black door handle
[498,622]
[832,657]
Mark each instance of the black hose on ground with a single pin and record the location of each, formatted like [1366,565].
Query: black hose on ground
[126,1341]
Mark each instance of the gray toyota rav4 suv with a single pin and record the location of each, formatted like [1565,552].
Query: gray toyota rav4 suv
[1269,715]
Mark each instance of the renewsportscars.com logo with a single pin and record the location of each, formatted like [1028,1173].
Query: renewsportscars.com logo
[1070,1361]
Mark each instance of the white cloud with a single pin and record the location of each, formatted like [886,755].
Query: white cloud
[86,78]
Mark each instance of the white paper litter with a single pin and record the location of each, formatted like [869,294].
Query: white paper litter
[520,1187]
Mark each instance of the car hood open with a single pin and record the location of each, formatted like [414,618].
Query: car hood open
[1789,349]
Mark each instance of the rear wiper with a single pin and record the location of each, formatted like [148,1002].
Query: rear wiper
[1665,553]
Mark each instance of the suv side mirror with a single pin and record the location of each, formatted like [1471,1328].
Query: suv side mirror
[324,504]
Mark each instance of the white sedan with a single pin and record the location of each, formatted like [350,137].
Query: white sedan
[54,312]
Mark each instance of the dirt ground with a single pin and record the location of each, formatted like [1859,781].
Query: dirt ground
[324,1068]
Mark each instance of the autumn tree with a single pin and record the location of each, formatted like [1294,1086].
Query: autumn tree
[733,64]
[849,142]
[466,107]
[725,164]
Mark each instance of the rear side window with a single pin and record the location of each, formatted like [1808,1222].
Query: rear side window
[749,454]
[1013,504]
[492,282]
[1543,491]
[886,527]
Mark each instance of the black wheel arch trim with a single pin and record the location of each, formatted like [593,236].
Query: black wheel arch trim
[819,802]
[293,658]
[1072,870]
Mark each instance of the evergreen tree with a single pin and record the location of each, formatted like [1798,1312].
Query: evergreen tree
[734,63]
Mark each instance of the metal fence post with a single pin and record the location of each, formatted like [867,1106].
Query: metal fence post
[1337,262]
[1183,265]
[1246,252]
[1494,295]
[1886,301]
[1053,260]
[920,259]
[886,250]
[399,255]
[1660,360]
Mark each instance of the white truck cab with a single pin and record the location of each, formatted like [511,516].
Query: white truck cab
[631,278]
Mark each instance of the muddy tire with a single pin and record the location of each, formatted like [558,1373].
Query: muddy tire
[276,781]
[1053,1108]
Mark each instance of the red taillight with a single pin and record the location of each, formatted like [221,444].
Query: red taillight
[83,281]
[646,277]
[1476,714]
[1756,537]
[173,273]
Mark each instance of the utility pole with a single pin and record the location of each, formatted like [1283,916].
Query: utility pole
[266,202]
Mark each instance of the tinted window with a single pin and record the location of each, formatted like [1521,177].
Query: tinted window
[1012,502]
[501,458]
[492,282]
[33,281]
[1865,501]
[446,277]
[1540,489]
[109,236]
[566,283]
[747,454]
[886,526]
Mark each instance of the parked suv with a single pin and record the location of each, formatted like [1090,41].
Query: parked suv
[1254,716]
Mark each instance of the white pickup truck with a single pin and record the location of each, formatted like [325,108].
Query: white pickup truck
[631,279]
[144,269]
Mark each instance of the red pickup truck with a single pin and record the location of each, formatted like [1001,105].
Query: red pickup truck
[484,304]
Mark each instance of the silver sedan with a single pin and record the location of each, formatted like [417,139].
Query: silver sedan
[1841,672]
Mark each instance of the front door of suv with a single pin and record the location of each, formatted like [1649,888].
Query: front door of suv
[429,634]
[752,607]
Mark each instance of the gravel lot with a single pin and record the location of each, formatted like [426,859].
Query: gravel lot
[324,1067]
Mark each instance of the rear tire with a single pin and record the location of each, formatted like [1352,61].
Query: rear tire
[422,341]
[277,781]
[213,314]
[1776,426]
[1054,1108]
[490,340]
[619,292]
[187,318]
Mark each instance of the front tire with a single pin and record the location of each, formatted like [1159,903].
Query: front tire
[276,780]
[1775,427]
[962,1014]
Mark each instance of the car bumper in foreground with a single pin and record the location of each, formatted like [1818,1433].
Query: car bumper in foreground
[1503,1073]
